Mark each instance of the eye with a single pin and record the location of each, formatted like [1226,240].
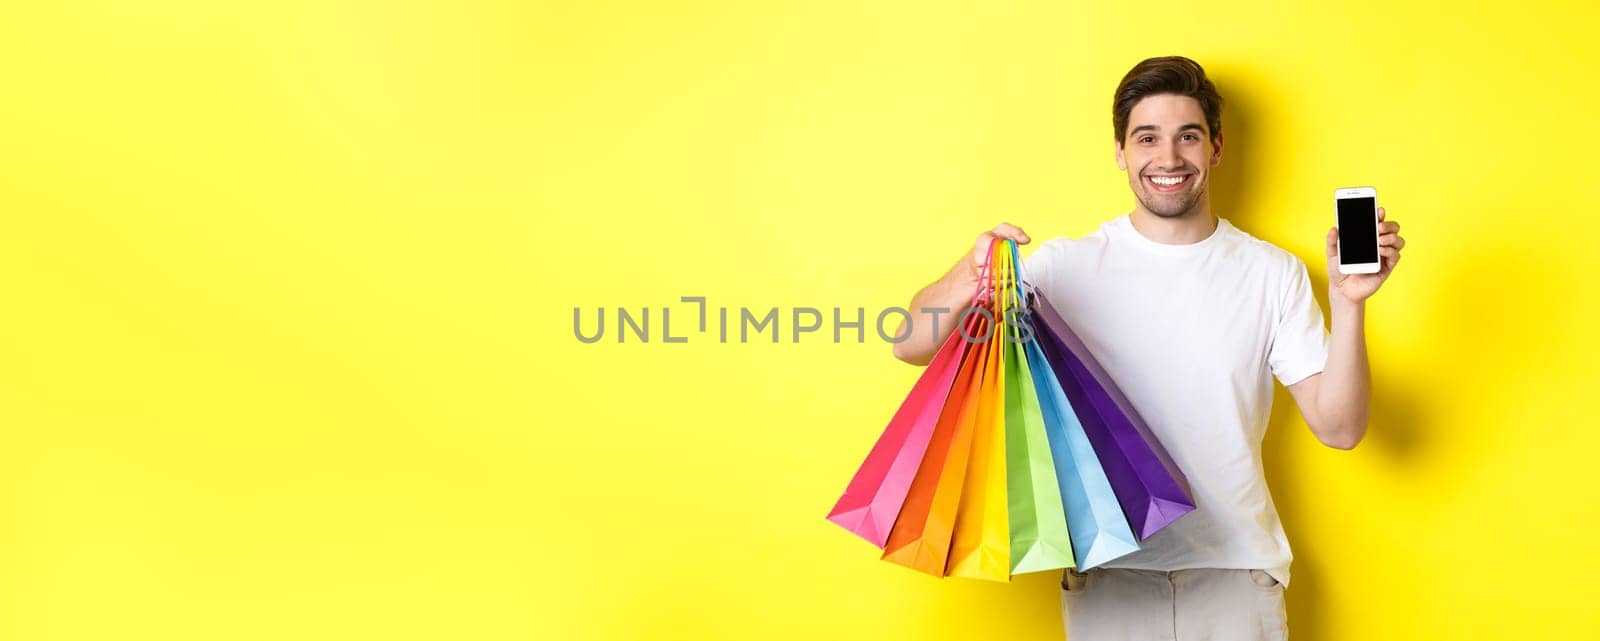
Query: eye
[1146,139]
[1191,137]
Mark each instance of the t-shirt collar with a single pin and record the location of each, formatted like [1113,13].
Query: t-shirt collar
[1124,226]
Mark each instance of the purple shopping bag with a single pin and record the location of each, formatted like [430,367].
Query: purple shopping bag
[1151,489]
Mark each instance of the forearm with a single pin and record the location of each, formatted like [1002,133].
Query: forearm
[1346,386]
[941,304]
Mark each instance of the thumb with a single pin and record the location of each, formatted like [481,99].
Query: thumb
[980,252]
[1334,277]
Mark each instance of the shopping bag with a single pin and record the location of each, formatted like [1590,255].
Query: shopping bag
[873,499]
[877,492]
[1150,488]
[981,545]
[921,536]
[1099,530]
[1039,537]
[1014,453]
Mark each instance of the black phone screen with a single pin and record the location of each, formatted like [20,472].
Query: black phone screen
[1358,230]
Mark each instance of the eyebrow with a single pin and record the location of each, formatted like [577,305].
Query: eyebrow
[1186,127]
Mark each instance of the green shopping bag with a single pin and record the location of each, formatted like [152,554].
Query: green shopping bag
[1039,537]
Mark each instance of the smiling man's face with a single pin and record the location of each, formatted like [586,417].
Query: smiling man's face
[1168,154]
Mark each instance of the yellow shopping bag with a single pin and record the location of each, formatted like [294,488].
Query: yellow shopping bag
[981,545]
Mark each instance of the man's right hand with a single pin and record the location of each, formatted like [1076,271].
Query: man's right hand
[952,293]
[980,252]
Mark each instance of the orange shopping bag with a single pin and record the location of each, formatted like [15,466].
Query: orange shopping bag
[921,535]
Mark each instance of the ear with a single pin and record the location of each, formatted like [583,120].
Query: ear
[1122,163]
[1216,151]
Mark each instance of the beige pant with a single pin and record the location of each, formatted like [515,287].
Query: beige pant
[1115,604]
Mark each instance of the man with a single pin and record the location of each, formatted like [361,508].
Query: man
[1192,317]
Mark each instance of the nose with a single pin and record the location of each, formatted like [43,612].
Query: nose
[1169,158]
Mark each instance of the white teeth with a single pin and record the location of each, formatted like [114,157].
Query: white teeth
[1166,181]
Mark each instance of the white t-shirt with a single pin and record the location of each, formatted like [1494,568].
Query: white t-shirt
[1193,334]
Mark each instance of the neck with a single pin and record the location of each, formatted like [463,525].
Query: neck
[1192,227]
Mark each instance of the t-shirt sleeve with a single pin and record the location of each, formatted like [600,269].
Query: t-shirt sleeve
[1037,267]
[1300,340]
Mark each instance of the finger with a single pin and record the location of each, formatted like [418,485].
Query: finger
[1389,228]
[1392,240]
[1008,230]
[1389,252]
[1388,265]
[1333,242]
[982,246]
[1381,214]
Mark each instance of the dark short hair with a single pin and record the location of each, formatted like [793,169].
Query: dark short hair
[1166,75]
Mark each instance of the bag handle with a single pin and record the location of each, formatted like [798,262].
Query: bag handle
[1016,260]
[1016,287]
[1003,277]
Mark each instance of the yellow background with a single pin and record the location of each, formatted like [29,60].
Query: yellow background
[287,351]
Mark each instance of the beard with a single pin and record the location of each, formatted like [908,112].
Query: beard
[1175,205]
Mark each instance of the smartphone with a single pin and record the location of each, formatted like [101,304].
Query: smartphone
[1356,210]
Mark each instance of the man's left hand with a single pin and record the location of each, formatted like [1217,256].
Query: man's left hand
[1357,288]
